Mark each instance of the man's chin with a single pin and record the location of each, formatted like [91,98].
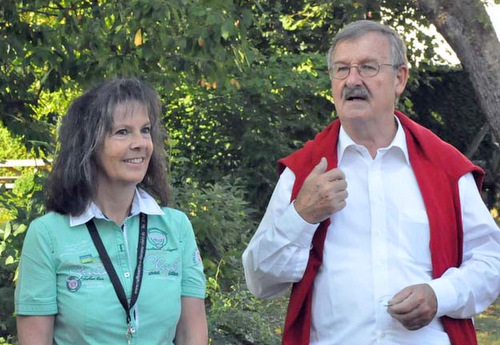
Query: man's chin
[354,113]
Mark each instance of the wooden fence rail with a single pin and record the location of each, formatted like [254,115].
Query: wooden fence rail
[13,165]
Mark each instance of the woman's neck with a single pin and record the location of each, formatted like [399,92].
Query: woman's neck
[115,203]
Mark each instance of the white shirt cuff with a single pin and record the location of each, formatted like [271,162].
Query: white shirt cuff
[298,230]
[446,295]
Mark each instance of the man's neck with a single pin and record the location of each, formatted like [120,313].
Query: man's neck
[372,134]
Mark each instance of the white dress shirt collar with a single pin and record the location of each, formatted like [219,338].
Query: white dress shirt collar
[143,202]
[399,141]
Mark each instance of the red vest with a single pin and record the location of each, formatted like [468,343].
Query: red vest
[437,167]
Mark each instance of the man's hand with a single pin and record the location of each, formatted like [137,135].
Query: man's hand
[414,307]
[323,193]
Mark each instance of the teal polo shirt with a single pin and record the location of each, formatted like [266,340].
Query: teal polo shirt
[61,274]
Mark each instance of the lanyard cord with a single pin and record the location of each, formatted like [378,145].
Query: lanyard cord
[113,276]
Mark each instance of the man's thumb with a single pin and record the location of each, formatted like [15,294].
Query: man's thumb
[320,167]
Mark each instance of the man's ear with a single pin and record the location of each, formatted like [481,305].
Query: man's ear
[401,79]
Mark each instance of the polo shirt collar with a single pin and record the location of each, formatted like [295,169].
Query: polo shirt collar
[143,202]
[399,142]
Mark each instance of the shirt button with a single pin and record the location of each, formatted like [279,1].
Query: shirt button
[127,275]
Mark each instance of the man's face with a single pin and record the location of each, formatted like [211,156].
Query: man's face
[375,96]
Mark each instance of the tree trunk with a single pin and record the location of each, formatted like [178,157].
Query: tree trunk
[467,28]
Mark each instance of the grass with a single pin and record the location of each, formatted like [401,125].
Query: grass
[488,325]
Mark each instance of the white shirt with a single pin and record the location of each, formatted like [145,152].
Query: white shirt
[377,245]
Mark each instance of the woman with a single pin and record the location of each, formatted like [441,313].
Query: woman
[108,265]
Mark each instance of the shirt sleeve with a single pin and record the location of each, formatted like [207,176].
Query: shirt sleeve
[468,290]
[193,279]
[35,292]
[277,254]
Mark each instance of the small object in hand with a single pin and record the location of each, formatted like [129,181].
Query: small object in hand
[390,303]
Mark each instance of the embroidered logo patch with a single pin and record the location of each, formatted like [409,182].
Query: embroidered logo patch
[196,257]
[73,283]
[86,259]
[157,238]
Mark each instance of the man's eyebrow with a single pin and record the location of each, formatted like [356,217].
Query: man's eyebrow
[360,61]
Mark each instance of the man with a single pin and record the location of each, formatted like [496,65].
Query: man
[411,254]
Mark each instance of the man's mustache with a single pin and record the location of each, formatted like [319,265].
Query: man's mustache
[355,92]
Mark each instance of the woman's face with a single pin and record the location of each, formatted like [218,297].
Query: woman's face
[124,156]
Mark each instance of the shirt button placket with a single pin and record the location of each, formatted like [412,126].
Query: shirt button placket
[379,245]
[125,264]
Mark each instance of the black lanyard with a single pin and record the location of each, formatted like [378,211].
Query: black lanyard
[141,252]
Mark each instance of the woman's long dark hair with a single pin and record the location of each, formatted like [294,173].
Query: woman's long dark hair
[72,182]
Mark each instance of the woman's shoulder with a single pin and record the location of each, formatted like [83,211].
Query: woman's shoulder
[173,221]
[173,214]
[51,218]
[48,229]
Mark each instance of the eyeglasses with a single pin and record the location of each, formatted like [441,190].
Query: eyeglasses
[366,70]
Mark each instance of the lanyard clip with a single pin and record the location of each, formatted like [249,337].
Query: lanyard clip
[130,332]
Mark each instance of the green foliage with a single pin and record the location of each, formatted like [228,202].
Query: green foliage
[221,219]
[47,46]
[446,105]
[7,341]
[17,208]
[280,104]
[11,147]
[7,321]
[220,216]
[236,317]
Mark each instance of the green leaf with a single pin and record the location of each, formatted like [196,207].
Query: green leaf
[9,260]
[7,231]
[20,229]
[227,29]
